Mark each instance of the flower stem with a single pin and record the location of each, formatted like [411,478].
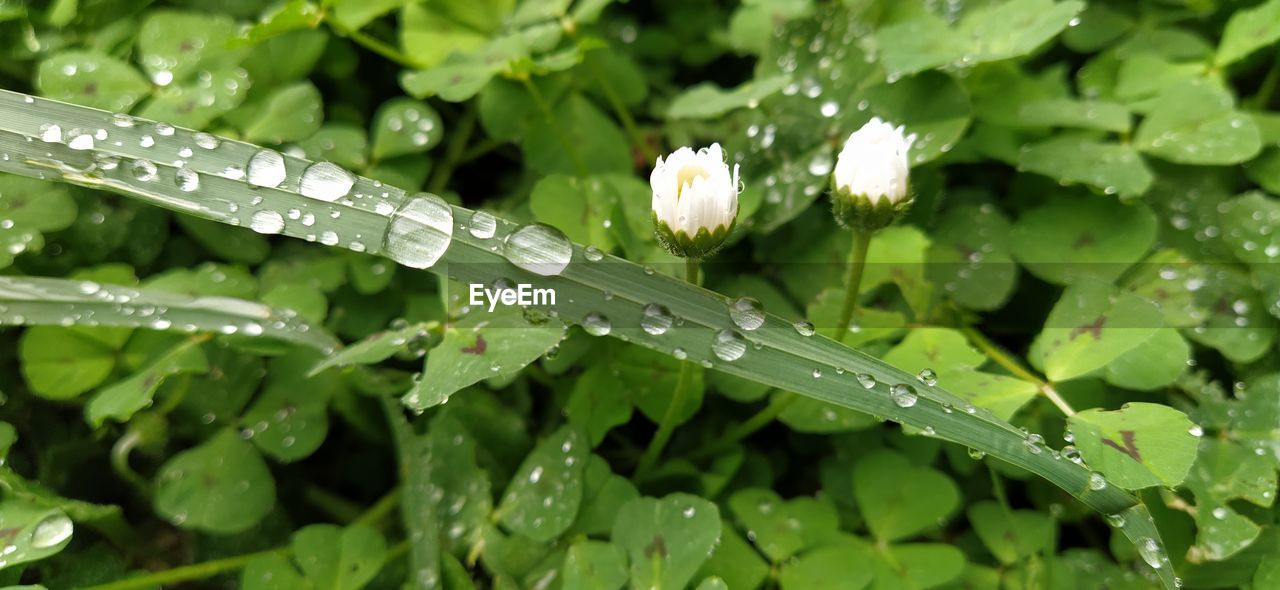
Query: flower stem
[857,263]
[375,45]
[186,573]
[1015,368]
[667,426]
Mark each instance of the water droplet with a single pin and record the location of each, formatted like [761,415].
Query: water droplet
[1195,430]
[483,225]
[830,108]
[187,179]
[419,232]
[679,353]
[539,249]
[866,380]
[593,254]
[325,181]
[51,531]
[1072,454]
[596,324]
[927,377]
[205,140]
[50,133]
[1150,552]
[164,129]
[804,328]
[817,373]
[266,221]
[79,140]
[266,168]
[1097,482]
[656,320]
[729,345]
[746,313]
[143,170]
[903,395]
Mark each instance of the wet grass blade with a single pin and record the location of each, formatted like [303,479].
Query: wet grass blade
[33,301]
[155,163]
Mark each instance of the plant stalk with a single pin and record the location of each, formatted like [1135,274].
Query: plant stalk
[667,426]
[1007,361]
[857,264]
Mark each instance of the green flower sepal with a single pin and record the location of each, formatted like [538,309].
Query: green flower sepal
[701,245]
[860,213]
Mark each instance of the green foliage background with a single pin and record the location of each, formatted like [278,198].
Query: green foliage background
[1091,256]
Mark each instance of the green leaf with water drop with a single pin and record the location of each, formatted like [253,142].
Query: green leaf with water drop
[1223,472]
[482,345]
[221,486]
[969,256]
[668,539]
[272,572]
[1194,123]
[1237,322]
[1000,394]
[288,113]
[93,80]
[405,126]
[341,143]
[899,499]
[289,419]
[30,207]
[1249,30]
[1112,168]
[374,348]
[31,532]
[735,561]
[804,414]
[337,558]
[197,103]
[233,244]
[1012,535]
[123,399]
[1082,114]
[706,100]
[781,529]
[583,206]
[543,497]
[919,565]
[1071,239]
[175,45]
[1092,324]
[1252,218]
[595,406]
[594,565]
[1138,446]
[939,349]
[465,502]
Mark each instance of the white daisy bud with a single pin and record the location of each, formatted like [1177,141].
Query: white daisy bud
[695,201]
[870,185]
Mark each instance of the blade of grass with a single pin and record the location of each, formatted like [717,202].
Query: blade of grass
[776,354]
[45,301]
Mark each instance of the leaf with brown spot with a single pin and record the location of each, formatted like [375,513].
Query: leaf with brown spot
[1155,446]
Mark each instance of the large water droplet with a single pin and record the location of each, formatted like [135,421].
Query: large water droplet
[325,181]
[656,320]
[539,249]
[903,395]
[867,381]
[50,133]
[596,324]
[187,179]
[483,225]
[266,221]
[266,168]
[143,170]
[51,531]
[420,231]
[803,328]
[1097,482]
[746,313]
[729,345]
[927,377]
[1150,552]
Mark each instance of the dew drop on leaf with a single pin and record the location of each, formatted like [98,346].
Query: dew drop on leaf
[596,324]
[266,221]
[729,345]
[325,181]
[419,232]
[483,225]
[51,531]
[746,313]
[656,319]
[539,249]
[903,395]
[266,168]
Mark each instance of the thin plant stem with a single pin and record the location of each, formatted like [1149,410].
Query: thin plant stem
[375,45]
[564,140]
[624,115]
[1267,89]
[453,152]
[1015,368]
[748,427]
[187,573]
[857,264]
[667,425]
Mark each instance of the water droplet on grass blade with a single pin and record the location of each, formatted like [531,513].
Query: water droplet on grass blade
[903,395]
[804,328]
[656,319]
[596,324]
[1097,482]
[187,179]
[866,380]
[927,377]
[483,225]
[539,249]
[746,313]
[51,531]
[419,232]
[266,168]
[729,345]
[325,181]
[266,221]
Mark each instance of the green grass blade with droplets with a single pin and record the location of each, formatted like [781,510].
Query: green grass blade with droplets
[156,164]
[43,301]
